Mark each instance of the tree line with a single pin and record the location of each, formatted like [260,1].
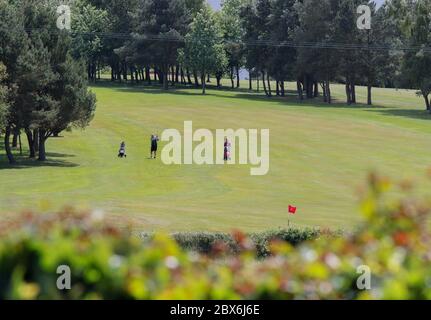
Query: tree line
[313,43]
[305,41]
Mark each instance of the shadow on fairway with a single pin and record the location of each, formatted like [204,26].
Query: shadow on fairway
[59,155]
[23,162]
[290,98]
[413,114]
[157,91]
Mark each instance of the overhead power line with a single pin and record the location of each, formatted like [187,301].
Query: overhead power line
[262,43]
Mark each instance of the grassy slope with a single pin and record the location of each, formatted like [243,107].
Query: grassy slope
[319,155]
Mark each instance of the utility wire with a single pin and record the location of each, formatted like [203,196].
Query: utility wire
[248,43]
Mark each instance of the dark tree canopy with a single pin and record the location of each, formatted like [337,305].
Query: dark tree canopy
[49,88]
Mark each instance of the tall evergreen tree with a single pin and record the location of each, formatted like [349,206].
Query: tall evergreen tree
[283,21]
[158,33]
[379,66]
[50,90]
[255,16]
[346,34]
[120,14]
[233,33]
[13,42]
[315,32]
[204,51]
[416,67]
[89,24]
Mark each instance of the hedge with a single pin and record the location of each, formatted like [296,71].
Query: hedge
[205,242]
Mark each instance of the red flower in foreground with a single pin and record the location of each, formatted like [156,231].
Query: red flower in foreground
[401,238]
[292,209]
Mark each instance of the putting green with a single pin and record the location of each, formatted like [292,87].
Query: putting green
[319,155]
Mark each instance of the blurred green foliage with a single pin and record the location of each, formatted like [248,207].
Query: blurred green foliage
[204,242]
[109,263]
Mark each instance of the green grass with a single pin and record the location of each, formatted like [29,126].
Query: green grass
[319,156]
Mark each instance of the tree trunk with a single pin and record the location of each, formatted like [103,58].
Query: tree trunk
[258,82]
[177,74]
[427,101]
[369,96]
[237,77]
[161,76]
[348,94]
[29,135]
[132,76]
[323,85]
[148,75]
[250,81]
[328,91]
[42,139]
[125,71]
[15,138]
[20,144]
[182,76]
[264,84]
[300,90]
[112,73]
[173,76]
[353,92]
[269,85]
[195,75]
[36,139]
[189,79]
[316,89]
[93,71]
[309,86]
[165,80]
[203,79]
[231,77]
[7,145]
[118,72]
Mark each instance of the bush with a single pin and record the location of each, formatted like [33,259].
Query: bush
[204,242]
[107,263]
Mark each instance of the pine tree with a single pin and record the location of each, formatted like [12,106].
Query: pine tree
[204,51]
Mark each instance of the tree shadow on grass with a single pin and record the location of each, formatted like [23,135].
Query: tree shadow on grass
[159,91]
[23,162]
[157,86]
[290,98]
[178,89]
[59,155]
[413,114]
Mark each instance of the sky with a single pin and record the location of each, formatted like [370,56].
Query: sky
[216,3]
